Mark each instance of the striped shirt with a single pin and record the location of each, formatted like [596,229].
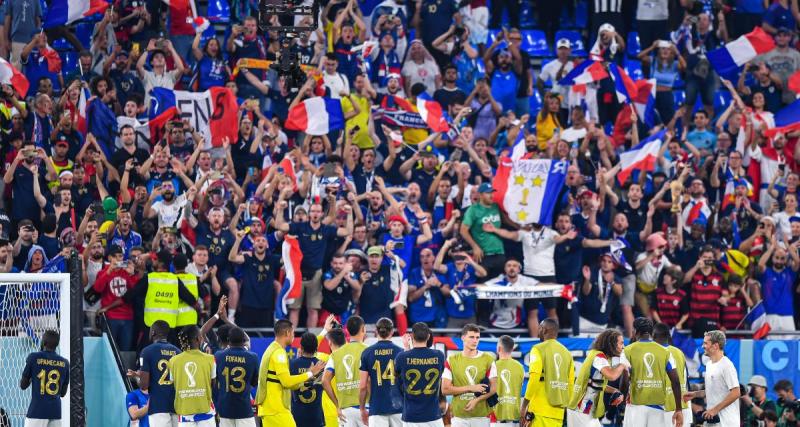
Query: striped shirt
[705,291]
[607,6]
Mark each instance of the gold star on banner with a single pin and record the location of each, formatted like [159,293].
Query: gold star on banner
[537,181]
[519,180]
[522,216]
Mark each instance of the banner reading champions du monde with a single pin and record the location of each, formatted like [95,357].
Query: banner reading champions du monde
[776,360]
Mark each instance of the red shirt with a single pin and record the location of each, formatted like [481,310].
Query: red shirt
[113,284]
[705,291]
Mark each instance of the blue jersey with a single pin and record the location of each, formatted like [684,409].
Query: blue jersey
[306,400]
[378,361]
[237,373]
[49,376]
[313,243]
[154,360]
[461,281]
[137,399]
[419,376]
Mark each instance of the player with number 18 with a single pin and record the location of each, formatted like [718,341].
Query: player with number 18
[47,373]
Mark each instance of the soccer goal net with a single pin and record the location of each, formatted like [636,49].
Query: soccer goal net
[30,304]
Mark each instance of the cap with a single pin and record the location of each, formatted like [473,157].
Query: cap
[122,53]
[655,240]
[563,43]
[663,44]
[110,207]
[758,380]
[782,30]
[65,173]
[429,150]
[585,193]
[742,181]
[393,76]
[62,141]
[356,252]
[397,218]
[375,250]
[606,27]
[485,188]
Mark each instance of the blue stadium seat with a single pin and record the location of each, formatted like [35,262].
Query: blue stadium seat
[722,99]
[69,62]
[61,44]
[493,34]
[527,19]
[535,103]
[219,11]
[634,69]
[582,14]
[633,44]
[83,31]
[679,96]
[578,48]
[535,43]
[480,66]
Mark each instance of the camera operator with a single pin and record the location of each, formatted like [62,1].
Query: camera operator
[788,405]
[756,401]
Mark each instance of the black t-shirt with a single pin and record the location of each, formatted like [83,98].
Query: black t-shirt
[637,217]
[121,156]
[447,97]
[772,96]
[337,300]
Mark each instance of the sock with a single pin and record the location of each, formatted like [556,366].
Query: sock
[232,315]
[402,322]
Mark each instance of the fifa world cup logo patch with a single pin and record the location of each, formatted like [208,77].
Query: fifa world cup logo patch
[649,359]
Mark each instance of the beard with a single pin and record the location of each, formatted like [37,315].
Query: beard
[168,196]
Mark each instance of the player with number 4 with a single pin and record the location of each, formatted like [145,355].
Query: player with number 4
[48,375]
[471,378]
[378,380]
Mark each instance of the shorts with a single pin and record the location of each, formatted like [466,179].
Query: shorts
[547,303]
[687,417]
[434,423]
[478,23]
[469,422]
[780,323]
[628,290]
[36,422]
[311,291]
[205,423]
[352,418]
[237,422]
[283,419]
[644,416]
[546,422]
[393,420]
[162,420]
[579,419]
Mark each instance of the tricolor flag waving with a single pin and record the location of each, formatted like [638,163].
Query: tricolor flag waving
[586,72]
[293,282]
[316,116]
[644,100]
[729,59]
[757,319]
[642,157]
[432,113]
[213,112]
[696,211]
[11,76]
[65,12]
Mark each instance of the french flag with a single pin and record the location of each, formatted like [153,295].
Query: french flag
[641,157]
[786,120]
[431,112]
[293,282]
[729,59]
[163,108]
[624,85]
[644,99]
[316,116]
[731,182]
[518,150]
[83,102]
[586,72]
[11,76]
[757,319]
[53,60]
[65,12]
[697,210]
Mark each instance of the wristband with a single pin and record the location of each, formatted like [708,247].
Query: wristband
[216,316]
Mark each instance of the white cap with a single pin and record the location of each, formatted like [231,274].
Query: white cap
[563,43]
[664,44]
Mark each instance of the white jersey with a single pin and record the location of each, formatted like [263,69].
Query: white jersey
[538,249]
[720,378]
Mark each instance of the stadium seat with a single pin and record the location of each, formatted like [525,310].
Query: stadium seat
[61,44]
[679,96]
[535,43]
[722,99]
[582,14]
[633,44]
[83,31]
[634,69]
[578,48]
[493,34]
[480,66]
[219,11]
[535,103]
[69,62]
[527,19]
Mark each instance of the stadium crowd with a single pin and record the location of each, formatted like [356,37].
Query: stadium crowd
[394,220]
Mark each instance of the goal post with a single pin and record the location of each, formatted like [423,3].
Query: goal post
[30,303]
